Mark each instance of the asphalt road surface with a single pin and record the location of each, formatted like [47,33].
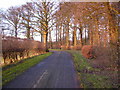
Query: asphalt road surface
[56,71]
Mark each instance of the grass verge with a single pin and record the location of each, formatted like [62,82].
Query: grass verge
[87,74]
[10,73]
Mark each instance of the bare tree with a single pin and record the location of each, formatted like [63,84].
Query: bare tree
[44,14]
[13,17]
[27,18]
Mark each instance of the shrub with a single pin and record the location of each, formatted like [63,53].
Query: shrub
[101,55]
[15,48]
[87,51]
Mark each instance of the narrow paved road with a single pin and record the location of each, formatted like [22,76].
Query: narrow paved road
[56,71]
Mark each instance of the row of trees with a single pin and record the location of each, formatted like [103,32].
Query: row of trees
[95,24]
[71,24]
[32,17]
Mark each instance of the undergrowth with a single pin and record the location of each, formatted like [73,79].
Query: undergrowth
[88,77]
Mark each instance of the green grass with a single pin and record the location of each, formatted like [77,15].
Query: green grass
[15,70]
[88,80]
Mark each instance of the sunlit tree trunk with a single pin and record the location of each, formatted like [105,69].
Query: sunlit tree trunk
[67,36]
[45,36]
[74,38]
[63,35]
[60,35]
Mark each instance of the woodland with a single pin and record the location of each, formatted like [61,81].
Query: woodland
[91,27]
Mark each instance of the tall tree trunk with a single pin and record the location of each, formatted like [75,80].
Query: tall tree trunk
[67,34]
[32,35]
[56,36]
[16,33]
[28,29]
[85,36]
[81,39]
[42,37]
[74,38]
[60,36]
[45,35]
[28,32]
[63,36]
[50,40]
[97,33]
[118,42]
[91,37]
[67,39]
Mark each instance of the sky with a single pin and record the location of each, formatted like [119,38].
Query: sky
[5,4]
[8,3]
